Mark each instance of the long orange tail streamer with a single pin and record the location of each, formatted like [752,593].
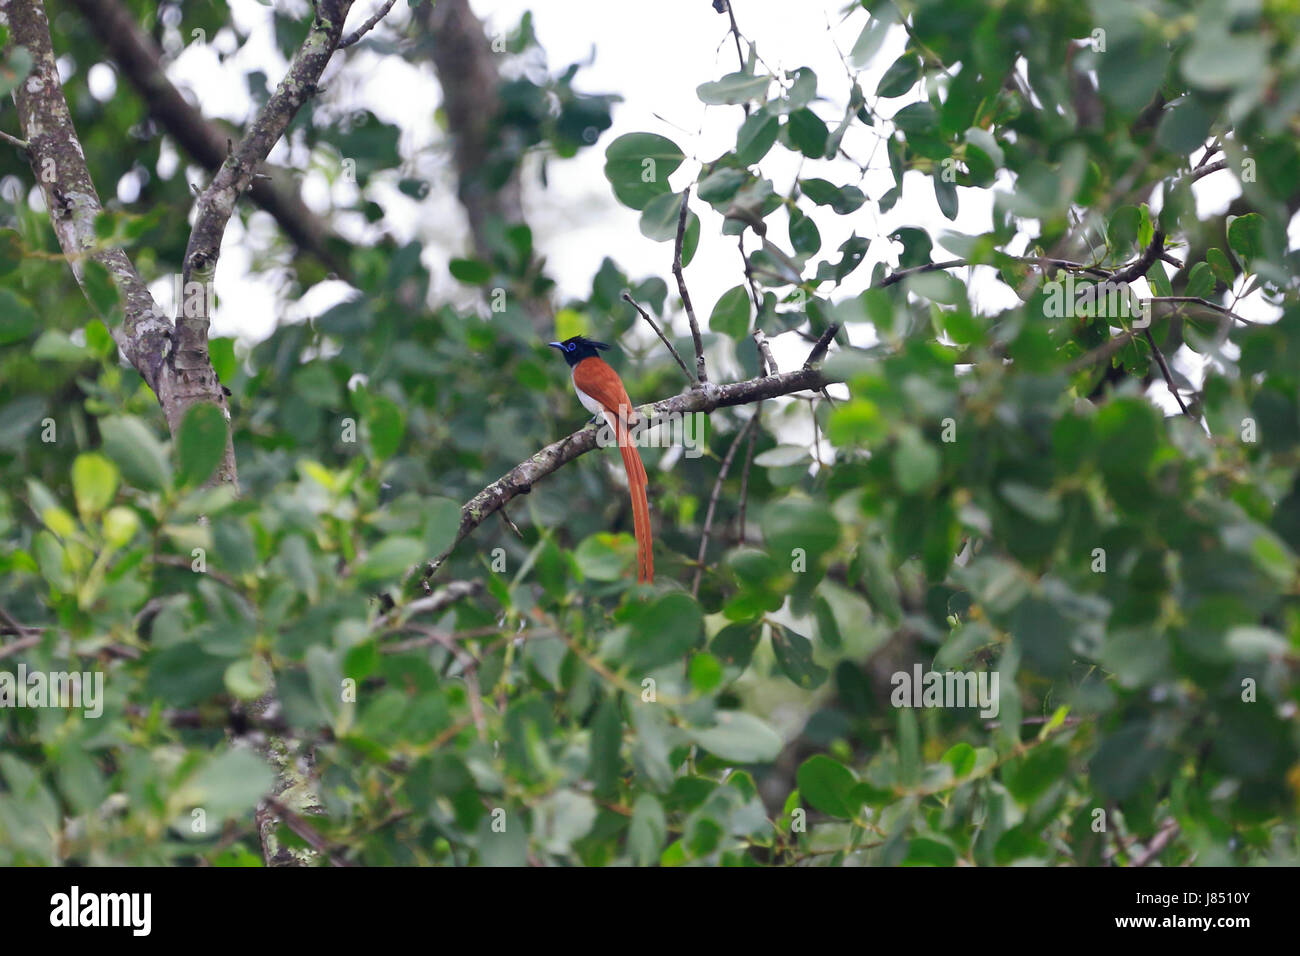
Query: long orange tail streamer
[636,484]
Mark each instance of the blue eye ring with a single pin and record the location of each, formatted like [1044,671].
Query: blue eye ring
[570,347]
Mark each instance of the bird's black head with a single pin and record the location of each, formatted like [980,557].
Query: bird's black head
[577,348]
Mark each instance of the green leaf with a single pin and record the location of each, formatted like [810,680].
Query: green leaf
[1184,127]
[961,757]
[638,165]
[916,462]
[799,524]
[1219,263]
[794,655]
[660,216]
[807,133]
[872,36]
[228,786]
[662,632]
[647,831]
[1218,62]
[387,425]
[1246,236]
[734,644]
[470,271]
[1200,281]
[140,456]
[756,136]
[54,345]
[827,785]
[731,314]
[249,678]
[804,236]
[94,483]
[720,185]
[738,736]
[900,77]
[391,558]
[917,118]
[843,199]
[603,556]
[733,89]
[201,444]
[945,194]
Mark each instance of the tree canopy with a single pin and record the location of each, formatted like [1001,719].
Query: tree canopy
[359,592]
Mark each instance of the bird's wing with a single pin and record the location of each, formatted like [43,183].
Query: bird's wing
[601,382]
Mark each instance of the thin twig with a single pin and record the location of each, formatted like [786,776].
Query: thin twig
[1164,370]
[366,27]
[701,374]
[713,504]
[1158,843]
[505,518]
[744,475]
[662,338]
[307,832]
[13,647]
[764,352]
[1204,171]
[1198,300]
[14,141]
[823,343]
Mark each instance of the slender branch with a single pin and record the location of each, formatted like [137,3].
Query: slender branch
[366,27]
[744,475]
[307,832]
[444,597]
[713,504]
[764,352]
[520,479]
[1164,370]
[59,165]
[140,59]
[735,33]
[14,141]
[662,338]
[1198,300]
[13,647]
[823,343]
[1158,843]
[1203,171]
[1144,262]
[701,374]
[217,203]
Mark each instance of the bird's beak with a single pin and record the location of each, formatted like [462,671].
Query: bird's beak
[556,345]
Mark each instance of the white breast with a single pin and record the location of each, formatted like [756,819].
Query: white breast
[589,403]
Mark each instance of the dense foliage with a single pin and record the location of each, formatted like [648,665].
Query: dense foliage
[995,489]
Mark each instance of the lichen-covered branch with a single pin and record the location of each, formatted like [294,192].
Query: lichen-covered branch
[139,58]
[60,169]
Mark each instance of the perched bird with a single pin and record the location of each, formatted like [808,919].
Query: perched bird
[602,393]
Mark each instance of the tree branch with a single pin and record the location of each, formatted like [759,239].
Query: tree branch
[196,381]
[366,27]
[662,338]
[140,59]
[706,398]
[59,165]
[700,373]
[713,503]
